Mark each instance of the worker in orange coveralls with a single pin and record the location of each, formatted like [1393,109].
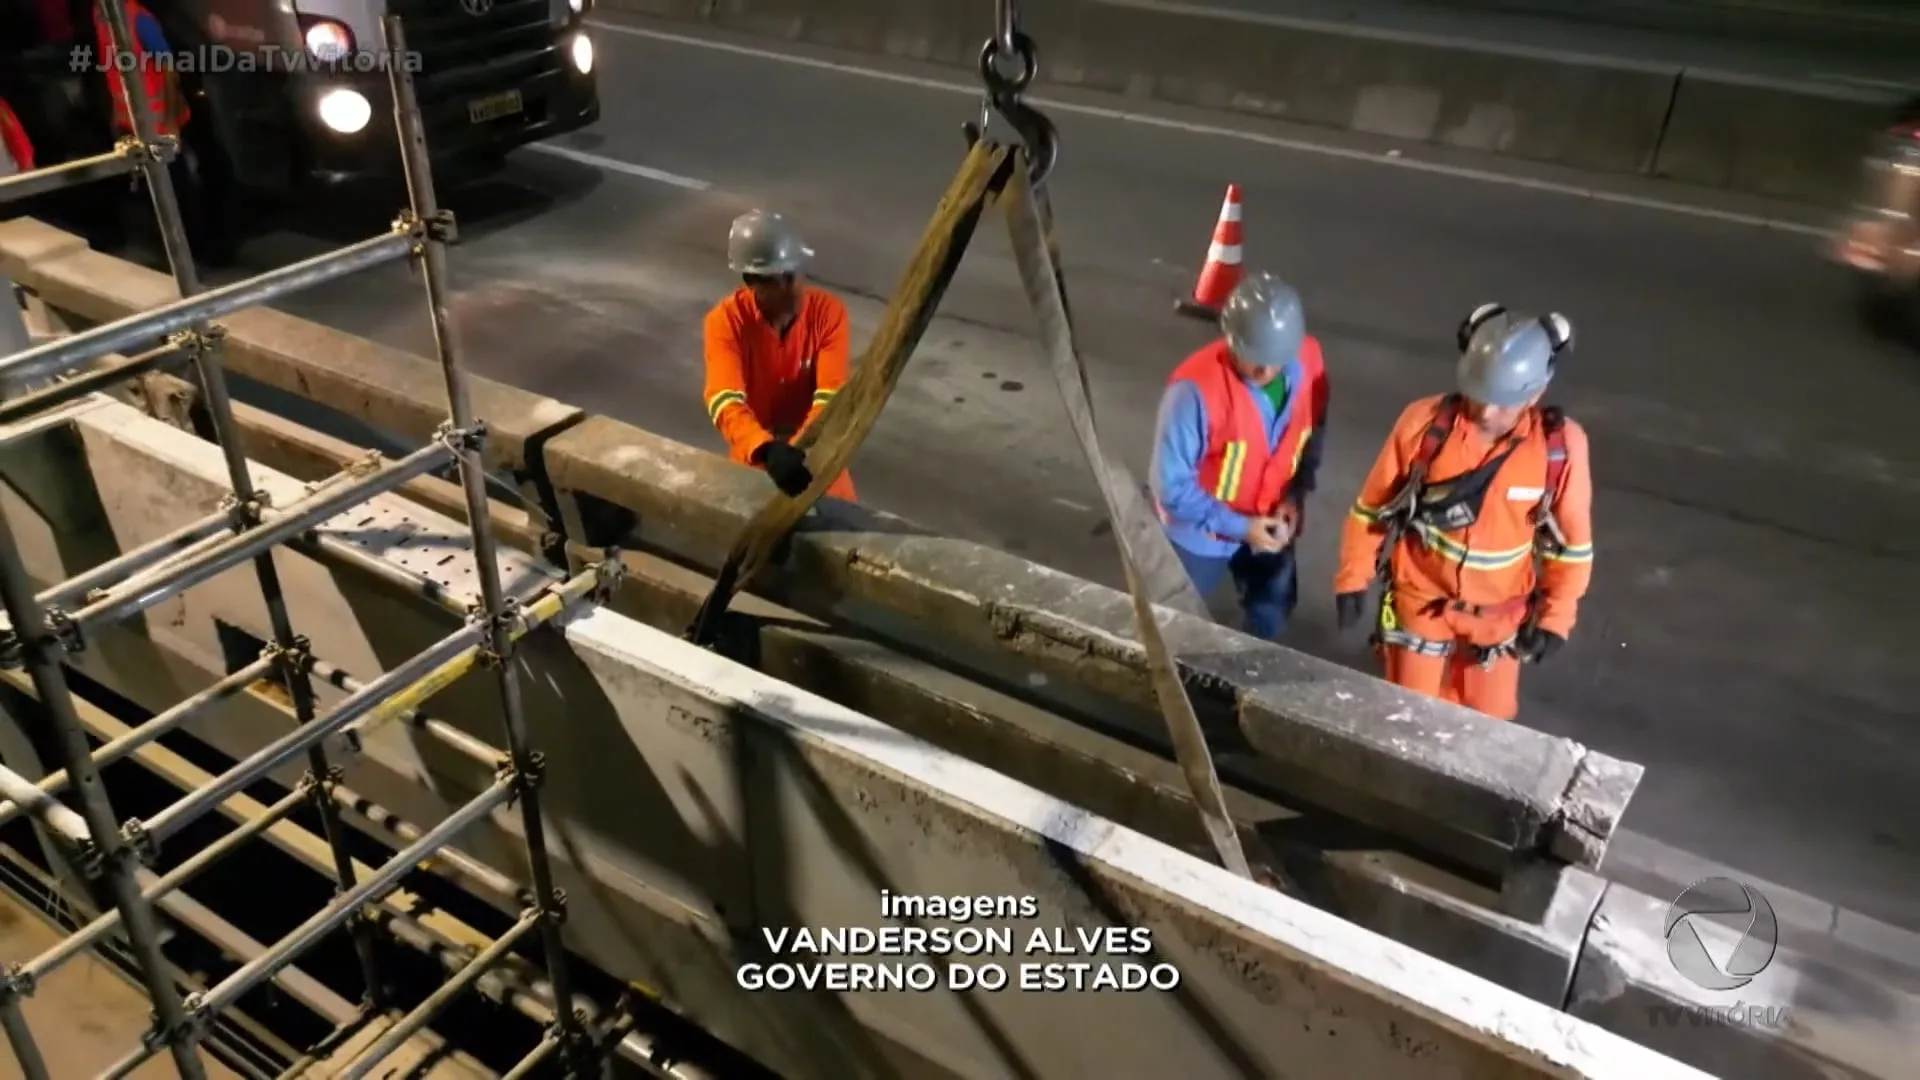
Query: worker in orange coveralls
[777,351]
[1477,520]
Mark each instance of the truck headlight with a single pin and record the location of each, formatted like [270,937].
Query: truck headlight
[582,50]
[345,111]
[576,6]
[328,41]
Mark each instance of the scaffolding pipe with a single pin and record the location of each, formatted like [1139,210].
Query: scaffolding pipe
[343,907]
[143,591]
[477,873]
[73,945]
[479,751]
[119,748]
[65,354]
[23,794]
[538,1056]
[65,175]
[115,861]
[26,1051]
[473,479]
[100,378]
[416,1021]
[458,651]
[127,563]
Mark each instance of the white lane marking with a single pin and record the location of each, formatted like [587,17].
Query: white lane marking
[1392,158]
[627,168]
[1071,505]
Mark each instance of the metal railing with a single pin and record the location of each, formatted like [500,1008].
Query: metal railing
[47,624]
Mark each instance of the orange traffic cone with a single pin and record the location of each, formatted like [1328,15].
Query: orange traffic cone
[1222,269]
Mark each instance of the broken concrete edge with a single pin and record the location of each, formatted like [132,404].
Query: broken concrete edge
[1519,788]
[1802,1017]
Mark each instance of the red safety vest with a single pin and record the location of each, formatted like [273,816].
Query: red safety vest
[1238,468]
[152,77]
[13,138]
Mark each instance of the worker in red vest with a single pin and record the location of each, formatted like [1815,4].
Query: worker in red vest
[16,150]
[199,181]
[1238,448]
[1477,522]
[165,103]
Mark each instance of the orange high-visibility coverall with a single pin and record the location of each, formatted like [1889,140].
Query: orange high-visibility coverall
[1470,587]
[763,385]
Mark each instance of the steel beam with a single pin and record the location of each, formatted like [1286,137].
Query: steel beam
[116,162]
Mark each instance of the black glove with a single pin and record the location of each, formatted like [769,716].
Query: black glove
[1535,644]
[787,466]
[1348,608]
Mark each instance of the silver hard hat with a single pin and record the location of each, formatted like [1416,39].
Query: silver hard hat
[1507,359]
[762,244]
[1263,322]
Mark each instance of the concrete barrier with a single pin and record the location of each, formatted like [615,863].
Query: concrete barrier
[1441,776]
[695,801]
[1601,114]
[1765,137]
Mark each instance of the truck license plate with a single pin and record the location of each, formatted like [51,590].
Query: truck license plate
[493,106]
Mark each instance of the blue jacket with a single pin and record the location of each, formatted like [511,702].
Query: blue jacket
[1180,440]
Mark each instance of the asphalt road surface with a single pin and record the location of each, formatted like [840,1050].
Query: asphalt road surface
[1750,636]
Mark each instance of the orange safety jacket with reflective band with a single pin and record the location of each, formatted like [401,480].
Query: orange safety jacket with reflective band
[1240,467]
[1501,561]
[762,384]
[13,140]
[153,77]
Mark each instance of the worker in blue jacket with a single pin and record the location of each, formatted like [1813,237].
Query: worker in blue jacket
[1237,450]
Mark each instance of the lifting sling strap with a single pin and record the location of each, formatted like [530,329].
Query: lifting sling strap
[831,440]
[1153,572]
[1400,511]
[992,171]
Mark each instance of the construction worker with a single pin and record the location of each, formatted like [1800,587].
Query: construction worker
[199,177]
[16,150]
[1237,449]
[777,351]
[1476,520]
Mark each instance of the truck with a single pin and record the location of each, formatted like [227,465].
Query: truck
[1880,240]
[290,99]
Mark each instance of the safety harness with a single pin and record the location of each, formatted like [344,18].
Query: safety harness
[1431,508]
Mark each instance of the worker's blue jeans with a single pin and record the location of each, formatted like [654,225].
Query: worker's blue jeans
[1266,583]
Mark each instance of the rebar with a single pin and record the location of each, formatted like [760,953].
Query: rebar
[432,261]
[343,906]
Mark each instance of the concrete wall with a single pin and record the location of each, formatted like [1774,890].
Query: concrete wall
[695,801]
[1791,141]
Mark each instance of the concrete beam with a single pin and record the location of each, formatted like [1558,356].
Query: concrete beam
[681,827]
[1443,777]
[1527,945]
[745,804]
